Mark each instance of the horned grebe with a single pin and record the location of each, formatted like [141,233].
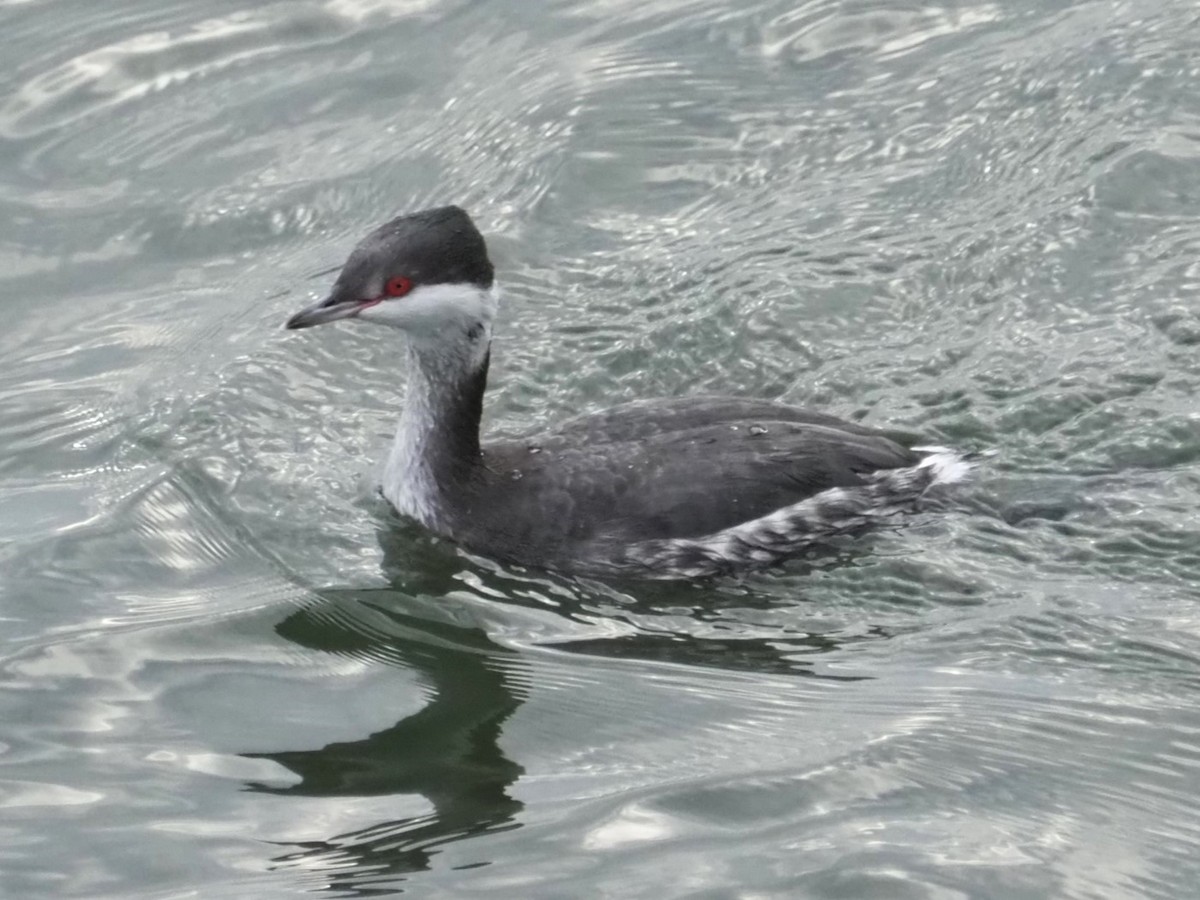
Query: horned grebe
[677,488]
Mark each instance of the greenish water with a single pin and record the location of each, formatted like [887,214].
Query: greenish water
[227,671]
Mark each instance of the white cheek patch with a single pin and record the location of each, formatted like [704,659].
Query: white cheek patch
[428,311]
[467,305]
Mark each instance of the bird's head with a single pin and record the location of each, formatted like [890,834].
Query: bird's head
[427,273]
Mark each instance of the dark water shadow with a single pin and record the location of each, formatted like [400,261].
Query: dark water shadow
[448,752]
[768,657]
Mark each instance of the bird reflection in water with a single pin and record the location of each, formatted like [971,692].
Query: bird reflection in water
[448,752]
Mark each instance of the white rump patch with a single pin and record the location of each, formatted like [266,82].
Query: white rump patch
[948,465]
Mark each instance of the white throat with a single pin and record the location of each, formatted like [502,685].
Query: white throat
[443,370]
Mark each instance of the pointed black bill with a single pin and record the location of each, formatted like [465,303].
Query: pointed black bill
[328,310]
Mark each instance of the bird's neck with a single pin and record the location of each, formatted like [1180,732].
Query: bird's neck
[436,450]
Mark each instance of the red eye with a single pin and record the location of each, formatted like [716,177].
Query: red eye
[398,286]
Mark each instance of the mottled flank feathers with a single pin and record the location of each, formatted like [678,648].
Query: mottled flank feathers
[785,533]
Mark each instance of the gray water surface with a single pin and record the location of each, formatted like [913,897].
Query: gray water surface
[226,670]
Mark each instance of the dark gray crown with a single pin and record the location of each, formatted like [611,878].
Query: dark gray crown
[433,246]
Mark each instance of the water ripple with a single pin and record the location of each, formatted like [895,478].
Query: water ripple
[224,656]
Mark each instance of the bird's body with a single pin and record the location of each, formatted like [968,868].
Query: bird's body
[666,489]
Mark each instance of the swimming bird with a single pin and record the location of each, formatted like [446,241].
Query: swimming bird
[676,488]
